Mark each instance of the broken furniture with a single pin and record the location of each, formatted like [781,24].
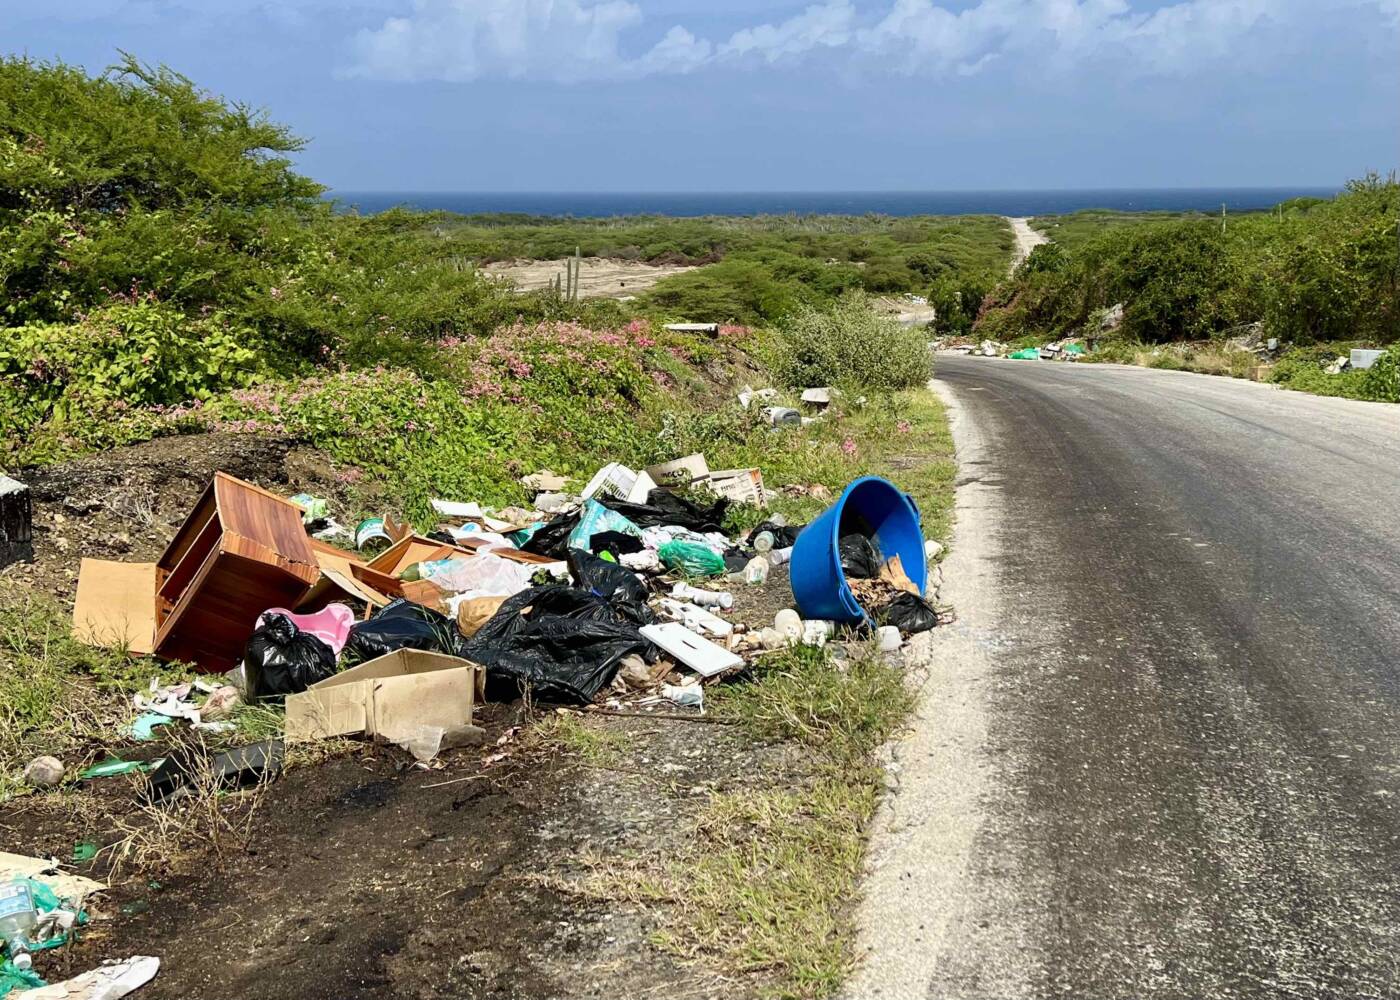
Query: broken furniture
[240,551]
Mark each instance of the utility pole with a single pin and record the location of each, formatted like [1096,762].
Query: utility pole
[1222,219]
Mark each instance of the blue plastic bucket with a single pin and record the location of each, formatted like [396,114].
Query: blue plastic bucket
[870,506]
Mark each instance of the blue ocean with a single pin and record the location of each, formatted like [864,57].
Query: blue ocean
[681,204]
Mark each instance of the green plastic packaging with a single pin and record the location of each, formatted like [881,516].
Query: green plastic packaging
[1026,354]
[691,559]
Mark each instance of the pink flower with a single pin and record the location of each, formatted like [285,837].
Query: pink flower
[904,427]
[849,446]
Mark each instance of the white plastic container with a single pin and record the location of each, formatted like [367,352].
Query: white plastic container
[704,598]
[789,623]
[889,638]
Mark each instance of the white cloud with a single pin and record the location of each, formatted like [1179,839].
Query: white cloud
[458,40]
[829,25]
[569,40]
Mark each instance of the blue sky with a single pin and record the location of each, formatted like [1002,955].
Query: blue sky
[665,95]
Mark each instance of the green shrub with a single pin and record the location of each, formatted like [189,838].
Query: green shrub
[850,345]
[131,354]
[1383,378]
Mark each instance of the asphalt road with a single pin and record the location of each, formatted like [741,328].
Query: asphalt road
[1160,751]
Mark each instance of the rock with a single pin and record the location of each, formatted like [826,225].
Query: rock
[1111,319]
[43,772]
[220,703]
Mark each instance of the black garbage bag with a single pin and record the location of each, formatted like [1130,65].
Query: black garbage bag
[860,559]
[402,624]
[282,659]
[561,643]
[783,534]
[909,613]
[666,508]
[619,543]
[615,584]
[552,539]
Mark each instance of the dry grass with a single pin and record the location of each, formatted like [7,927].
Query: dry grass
[766,877]
[203,819]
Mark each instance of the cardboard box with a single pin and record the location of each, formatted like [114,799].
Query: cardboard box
[388,698]
[680,471]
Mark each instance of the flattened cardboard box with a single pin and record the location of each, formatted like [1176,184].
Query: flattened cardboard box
[388,698]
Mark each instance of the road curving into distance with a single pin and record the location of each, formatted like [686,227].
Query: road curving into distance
[1160,750]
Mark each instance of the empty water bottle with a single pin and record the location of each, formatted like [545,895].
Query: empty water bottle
[17,921]
[763,541]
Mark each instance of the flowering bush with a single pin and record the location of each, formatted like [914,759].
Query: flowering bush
[550,394]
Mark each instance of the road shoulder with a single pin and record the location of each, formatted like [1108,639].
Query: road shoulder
[919,915]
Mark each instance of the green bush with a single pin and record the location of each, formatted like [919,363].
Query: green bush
[1383,377]
[1310,272]
[850,345]
[130,354]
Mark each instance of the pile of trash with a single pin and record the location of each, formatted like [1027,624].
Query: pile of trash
[41,906]
[632,574]
[621,592]
[1068,349]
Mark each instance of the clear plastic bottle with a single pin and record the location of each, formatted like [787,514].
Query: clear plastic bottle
[17,921]
[763,542]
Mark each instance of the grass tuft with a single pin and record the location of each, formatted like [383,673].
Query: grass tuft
[587,739]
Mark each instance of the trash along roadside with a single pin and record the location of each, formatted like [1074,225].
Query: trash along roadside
[619,594]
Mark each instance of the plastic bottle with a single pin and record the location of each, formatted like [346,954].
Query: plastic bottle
[763,541]
[756,571]
[779,556]
[704,598]
[17,921]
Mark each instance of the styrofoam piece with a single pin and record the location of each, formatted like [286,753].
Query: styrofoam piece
[693,616]
[694,651]
[1361,359]
[451,508]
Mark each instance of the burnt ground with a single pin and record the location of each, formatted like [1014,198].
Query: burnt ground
[366,877]
[363,875]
